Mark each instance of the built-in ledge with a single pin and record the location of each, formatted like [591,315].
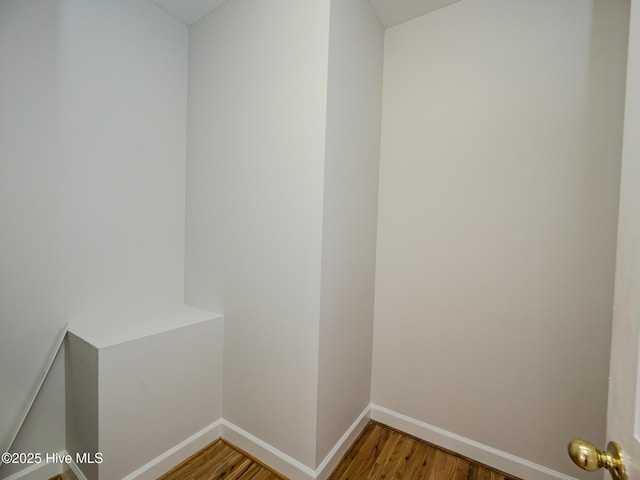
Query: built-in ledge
[140,382]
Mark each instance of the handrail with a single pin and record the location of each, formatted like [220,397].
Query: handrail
[34,395]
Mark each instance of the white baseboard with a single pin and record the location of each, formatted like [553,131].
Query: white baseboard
[279,461]
[76,471]
[177,454]
[48,470]
[294,470]
[283,463]
[150,471]
[506,462]
[38,471]
[332,459]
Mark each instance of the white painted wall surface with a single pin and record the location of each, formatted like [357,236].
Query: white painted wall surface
[157,391]
[500,157]
[123,90]
[27,112]
[44,427]
[82,401]
[352,155]
[148,402]
[257,104]
[92,167]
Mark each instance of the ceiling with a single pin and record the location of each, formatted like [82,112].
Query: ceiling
[188,11]
[391,12]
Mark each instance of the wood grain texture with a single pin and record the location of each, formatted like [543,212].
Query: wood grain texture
[221,460]
[382,452]
[379,453]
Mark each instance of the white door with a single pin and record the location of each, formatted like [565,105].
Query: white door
[623,418]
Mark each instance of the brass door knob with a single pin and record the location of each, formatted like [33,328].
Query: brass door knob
[588,457]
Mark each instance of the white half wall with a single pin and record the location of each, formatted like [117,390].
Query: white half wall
[500,158]
[144,402]
[172,395]
[82,401]
[257,110]
[352,155]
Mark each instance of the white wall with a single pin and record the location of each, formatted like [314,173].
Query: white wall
[122,91]
[172,397]
[44,428]
[257,104]
[82,401]
[499,168]
[349,221]
[500,159]
[92,166]
[27,112]
[173,401]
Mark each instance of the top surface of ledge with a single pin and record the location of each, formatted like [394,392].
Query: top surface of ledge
[116,326]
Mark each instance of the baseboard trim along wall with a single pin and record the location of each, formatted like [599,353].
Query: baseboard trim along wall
[293,469]
[279,461]
[337,452]
[172,457]
[76,471]
[287,465]
[506,462]
[38,471]
[48,470]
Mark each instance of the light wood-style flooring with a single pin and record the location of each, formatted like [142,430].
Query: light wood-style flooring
[380,452]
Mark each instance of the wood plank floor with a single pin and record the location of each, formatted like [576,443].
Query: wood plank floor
[384,453]
[220,460]
[380,452]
